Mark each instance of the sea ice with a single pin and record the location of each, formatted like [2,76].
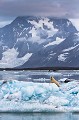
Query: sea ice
[33,97]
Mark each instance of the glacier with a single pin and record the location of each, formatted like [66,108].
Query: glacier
[10,60]
[21,96]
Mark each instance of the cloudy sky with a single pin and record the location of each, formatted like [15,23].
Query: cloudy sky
[10,9]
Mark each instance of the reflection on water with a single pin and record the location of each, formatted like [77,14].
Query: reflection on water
[39,116]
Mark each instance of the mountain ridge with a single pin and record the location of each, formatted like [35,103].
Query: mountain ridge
[31,41]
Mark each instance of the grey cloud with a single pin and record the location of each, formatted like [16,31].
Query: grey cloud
[57,8]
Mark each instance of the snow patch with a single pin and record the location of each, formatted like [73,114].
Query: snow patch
[5,47]
[56,42]
[35,37]
[44,21]
[10,59]
[33,32]
[68,23]
[36,40]
[77,34]
[62,57]
[71,48]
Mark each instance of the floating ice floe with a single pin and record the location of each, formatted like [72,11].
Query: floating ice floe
[20,96]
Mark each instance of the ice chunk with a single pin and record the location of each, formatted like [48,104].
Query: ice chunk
[27,92]
[17,95]
[56,101]
[53,87]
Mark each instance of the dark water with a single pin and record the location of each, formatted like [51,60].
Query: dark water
[39,116]
[38,76]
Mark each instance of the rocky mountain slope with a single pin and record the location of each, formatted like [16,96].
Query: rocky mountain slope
[39,42]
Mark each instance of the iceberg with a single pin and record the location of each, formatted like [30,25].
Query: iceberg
[20,96]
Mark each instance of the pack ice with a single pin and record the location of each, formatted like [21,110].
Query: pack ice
[20,96]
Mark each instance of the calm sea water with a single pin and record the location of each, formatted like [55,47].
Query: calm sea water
[38,76]
[39,116]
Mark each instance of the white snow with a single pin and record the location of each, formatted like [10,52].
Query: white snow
[62,57]
[43,21]
[75,22]
[54,100]
[68,23]
[70,48]
[39,25]
[10,60]
[36,39]
[77,34]
[33,32]
[5,47]
[22,32]
[51,55]
[56,42]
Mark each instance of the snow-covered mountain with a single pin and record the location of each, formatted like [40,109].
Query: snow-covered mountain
[39,42]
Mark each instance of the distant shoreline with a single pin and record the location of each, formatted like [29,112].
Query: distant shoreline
[40,68]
